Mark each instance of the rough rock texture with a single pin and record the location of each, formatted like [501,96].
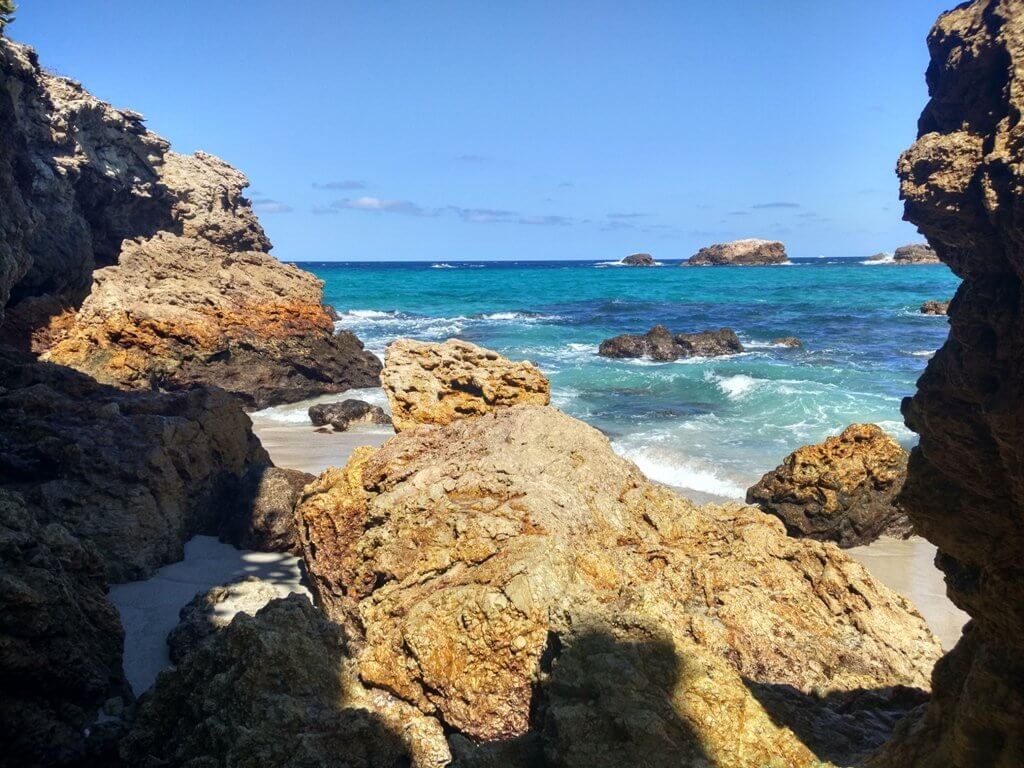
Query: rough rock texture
[880,256]
[935,307]
[342,415]
[456,556]
[261,514]
[919,253]
[660,343]
[639,260]
[211,611]
[439,383]
[134,474]
[747,252]
[788,341]
[842,490]
[276,689]
[185,292]
[962,183]
[60,640]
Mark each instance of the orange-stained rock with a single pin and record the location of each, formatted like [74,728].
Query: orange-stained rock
[456,556]
[430,383]
[841,490]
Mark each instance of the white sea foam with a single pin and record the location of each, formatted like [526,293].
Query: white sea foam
[734,387]
[922,353]
[873,262]
[442,265]
[681,472]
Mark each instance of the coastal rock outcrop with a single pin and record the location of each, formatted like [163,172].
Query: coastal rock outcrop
[456,558]
[935,307]
[343,414]
[841,490]
[961,184]
[639,260]
[917,253]
[788,341]
[145,268]
[430,383]
[261,513]
[276,689]
[748,252]
[660,343]
[60,640]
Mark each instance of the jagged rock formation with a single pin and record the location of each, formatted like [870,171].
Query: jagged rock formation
[841,490]
[456,556]
[134,474]
[788,341]
[961,182]
[276,689]
[918,253]
[344,414]
[749,252]
[60,640]
[935,307]
[639,260]
[211,611]
[660,343]
[439,383]
[261,513]
[184,290]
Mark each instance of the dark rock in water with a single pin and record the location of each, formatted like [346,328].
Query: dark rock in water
[788,341]
[881,256]
[934,307]
[918,253]
[211,611]
[276,689]
[60,640]
[749,252]
[135,474]
[660,343]
[639,260]
[261,516]
[961,183]
[842,490]
[343,414]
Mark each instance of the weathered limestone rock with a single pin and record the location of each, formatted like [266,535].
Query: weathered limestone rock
[344,414]
[60,640]
[918,253]
[639,260]
[749,252]
[934,307]
[276,689]
[211,611]
[439,383]
[185,290]
[961,184]
[261,514]
[455,557]
[134,474]
[660,343]
[841,490]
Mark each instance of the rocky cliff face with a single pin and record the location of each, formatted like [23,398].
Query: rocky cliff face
[143,267]
[462,560]
[962,183]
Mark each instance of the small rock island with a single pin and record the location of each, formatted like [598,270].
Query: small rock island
[916,253]
[748,252]
[639,260]
[660,343]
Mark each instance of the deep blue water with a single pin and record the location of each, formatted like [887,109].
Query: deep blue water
[711,425]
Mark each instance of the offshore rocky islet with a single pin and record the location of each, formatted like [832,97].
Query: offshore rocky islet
[587,641]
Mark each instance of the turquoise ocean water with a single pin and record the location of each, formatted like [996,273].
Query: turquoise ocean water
[710,425]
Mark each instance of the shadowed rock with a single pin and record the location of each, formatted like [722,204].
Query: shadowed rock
[639,260]
[343,414]
[841,490]
[440,383]
[261,514]
[660,343]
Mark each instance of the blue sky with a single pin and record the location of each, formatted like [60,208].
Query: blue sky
[478,130]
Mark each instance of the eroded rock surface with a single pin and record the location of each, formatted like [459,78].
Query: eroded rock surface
[455,557]
[842,490]
[660,343]
[276,689]
[430,383]
[961,184]
[935,307]
[788,341]
[639,260]
[185,290]
[261,513]
[749,252]
[918,253]
[342,415]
